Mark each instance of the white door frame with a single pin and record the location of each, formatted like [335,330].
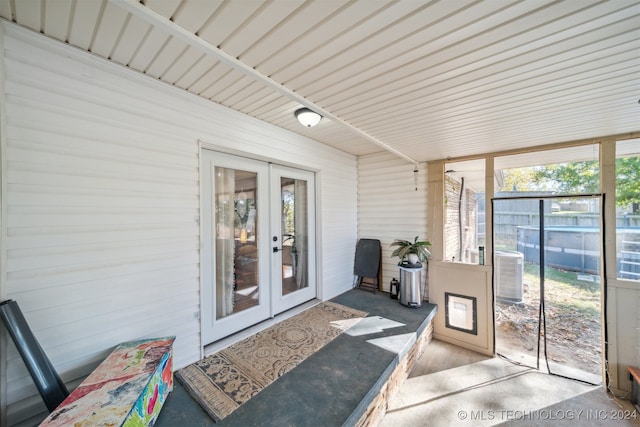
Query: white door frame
[279,301]
[213,329]
[210,328]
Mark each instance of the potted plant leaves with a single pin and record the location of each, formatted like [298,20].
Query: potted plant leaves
[414,252]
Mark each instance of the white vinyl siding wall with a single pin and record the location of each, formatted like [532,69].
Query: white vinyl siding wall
[103,206]
[389,207]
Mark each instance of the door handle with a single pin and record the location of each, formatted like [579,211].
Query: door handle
[276,249]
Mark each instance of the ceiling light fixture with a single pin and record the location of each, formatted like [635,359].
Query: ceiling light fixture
[307,117]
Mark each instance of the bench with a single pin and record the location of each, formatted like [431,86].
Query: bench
[128,388]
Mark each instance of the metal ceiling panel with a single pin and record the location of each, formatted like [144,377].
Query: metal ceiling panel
[150,47]
[380,51]
[181,65]
[235,96]
[235,89]
[445,68]
[213,74]
[170,53]
[6,10]
[108,31]
[193,16]
[357,42]
[427,46]
[83,24]
[196,72]
[422,79]
[301,55]
[266,104]
[226,77]
[289,31]
[261,23]
[163,7]
[29,14]
[134,32]
[276,112]
[56,20]
[228,18]
[255,94]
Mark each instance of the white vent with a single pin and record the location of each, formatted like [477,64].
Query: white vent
[509,273]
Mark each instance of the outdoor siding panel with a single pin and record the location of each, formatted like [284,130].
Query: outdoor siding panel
[389,207]
[103,206]
[339,230]
[102,242]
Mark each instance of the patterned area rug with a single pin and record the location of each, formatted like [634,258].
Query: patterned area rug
[223,381]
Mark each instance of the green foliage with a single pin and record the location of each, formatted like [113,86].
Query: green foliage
[576,178]
[627,180]
[288,211]
[406,247]
[520,179]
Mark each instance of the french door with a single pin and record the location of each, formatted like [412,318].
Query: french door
[293,241]
[258,242]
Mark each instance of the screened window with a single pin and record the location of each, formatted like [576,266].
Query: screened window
[464,210]
[628,209]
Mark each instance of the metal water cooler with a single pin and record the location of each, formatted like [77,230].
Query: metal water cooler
[410,285]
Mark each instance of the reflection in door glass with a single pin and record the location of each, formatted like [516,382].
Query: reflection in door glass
[236,255]
[295,246]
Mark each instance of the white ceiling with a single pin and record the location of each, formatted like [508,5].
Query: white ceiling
[424,79]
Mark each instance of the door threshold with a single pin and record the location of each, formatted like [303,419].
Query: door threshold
[223,343]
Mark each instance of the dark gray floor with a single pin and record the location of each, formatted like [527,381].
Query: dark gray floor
[332,387]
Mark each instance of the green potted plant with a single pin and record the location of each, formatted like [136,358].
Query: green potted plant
[414,252]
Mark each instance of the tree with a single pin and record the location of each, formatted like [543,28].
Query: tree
[520,179]
[579,177]
[567,178]
[628,182]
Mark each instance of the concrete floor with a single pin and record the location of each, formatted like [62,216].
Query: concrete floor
[451,386]
[448,386]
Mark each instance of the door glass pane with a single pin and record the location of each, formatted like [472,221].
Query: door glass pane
[236,254]
[295,238]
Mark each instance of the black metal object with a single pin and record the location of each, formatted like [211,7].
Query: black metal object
[49,384]
[394,288]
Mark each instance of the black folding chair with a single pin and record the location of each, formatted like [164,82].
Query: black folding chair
[367,268]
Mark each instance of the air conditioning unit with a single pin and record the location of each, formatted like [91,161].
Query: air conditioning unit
[509,270]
